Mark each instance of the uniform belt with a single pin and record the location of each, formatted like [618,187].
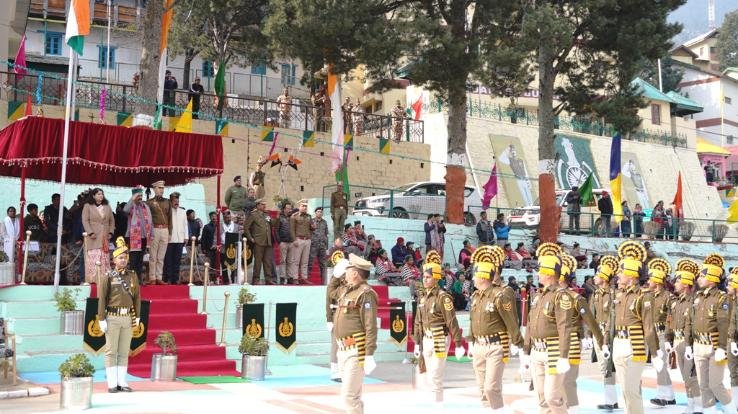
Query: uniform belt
[495,339]
[660,327]
[622,332]
[678,335]
[428,333]
[539,344]
[353,341]
[118,311]
[161,226]
[706,338]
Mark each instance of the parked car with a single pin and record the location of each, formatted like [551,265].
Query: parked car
[530,217]
[416,201]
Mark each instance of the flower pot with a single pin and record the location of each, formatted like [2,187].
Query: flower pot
[239,316]
[163,367]
[76,393]
[253,367]
[72,322]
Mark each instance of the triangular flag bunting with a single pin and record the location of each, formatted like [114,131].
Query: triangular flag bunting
[19,64]
[308,139]
[29,106]
[490,188]
[293,162]
[348,141]
[274,158]
[384,146]
[267,134]
[123,119]
[184,123]
[221,127]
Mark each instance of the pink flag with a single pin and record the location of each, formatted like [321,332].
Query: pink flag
[490,188]
[19,64]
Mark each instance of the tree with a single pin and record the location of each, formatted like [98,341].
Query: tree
[727,41]
[671,74]
[587,53]
[150,53]
[186,38]
[444,42]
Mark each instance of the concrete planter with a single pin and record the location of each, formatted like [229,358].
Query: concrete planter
[7,274]
[76,393]
[72,322]
[239,316]
[253,367]
[163,367]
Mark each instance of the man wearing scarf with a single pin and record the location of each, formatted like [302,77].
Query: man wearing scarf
[139,229]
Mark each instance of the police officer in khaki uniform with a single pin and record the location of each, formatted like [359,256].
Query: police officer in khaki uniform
[601,304]
[301,231]
[339,210]
[493,324]
[548,334]
[581,314]
[657,302]
[733,332]
[435,324]
[355,328]
[710,336]
[632,334]
[681,314]
[338,282]
[161,217]
[118,310]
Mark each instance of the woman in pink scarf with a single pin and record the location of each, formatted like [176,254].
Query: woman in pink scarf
[139,230]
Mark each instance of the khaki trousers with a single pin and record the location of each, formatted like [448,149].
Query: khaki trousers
[663,378]
[628,373]
[352,378]
[157,251]
[733,369]
[435,367]
[488,368]
[284,257]
[570,385]
[549,387]
[607,379]
[334,348]
[118,341]
[262,259]
[339,218]
[299,256]
[685,367]
[710,376]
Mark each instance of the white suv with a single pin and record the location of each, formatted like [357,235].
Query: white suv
[416,201]
[530,217]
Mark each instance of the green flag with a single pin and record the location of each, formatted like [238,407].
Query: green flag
[585,191]
[220,81]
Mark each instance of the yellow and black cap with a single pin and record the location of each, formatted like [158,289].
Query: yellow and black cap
[549,259]
[486,262]
[607,267]
[686,271]
[712,267]
[432,264]
[658,270]
[568,267]
[632,255]
[120,247]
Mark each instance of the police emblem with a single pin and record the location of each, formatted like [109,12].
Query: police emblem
[448,304]
[565,302]
[507,306]
[398,325]
[286,328]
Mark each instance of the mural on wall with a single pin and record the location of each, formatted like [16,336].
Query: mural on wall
[512,171]
[574,162]
[634,184]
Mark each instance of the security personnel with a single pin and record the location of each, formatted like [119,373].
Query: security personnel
[355,328]
[733,332]
[339,209]
[118,310]
[681,314]
[338,282]
[657,302]
[581,314]
[631,333]
[493,324]
[601,304]
[710,336]
[435,324]
[161,218]
[549,331]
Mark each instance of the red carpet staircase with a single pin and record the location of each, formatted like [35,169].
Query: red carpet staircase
[197,351]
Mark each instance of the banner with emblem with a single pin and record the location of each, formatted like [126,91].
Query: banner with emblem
[231,249]
[253,320]
[398,325]
[285,326]
[93,339]
[138,341]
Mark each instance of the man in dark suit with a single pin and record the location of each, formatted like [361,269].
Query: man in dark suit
[208,242]
[258,231]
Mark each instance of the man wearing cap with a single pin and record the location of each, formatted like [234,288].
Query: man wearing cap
[179,235]
[235,197]
[493,325]
[601,304]
[318,243]
[657,302]
[118,310]
[339,209]
[258,230]
[139,229]
[710,336]
[161,216]
[355,328]
[681,313]
[338,281]
[301,231]
[435,325]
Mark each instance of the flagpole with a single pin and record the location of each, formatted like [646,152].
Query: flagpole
[67,115]
[107,47]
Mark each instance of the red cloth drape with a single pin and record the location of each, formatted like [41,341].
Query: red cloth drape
[105,154]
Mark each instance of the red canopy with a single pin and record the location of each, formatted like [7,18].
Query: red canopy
[105,154]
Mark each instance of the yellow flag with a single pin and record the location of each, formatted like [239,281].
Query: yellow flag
[733,212]
[184,124]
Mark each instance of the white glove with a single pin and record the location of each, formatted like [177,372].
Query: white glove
[524,361]
[416,351]
[658,360]
[460,352]
[103,325]
[138,321]
[720,355]
[734,348]
[562,366]
[329,326]
[688,353]
[586,344]
[668,348]
[605,351]
[514,350]
[369,364]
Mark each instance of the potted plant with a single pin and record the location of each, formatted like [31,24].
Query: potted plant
[253,357]
[244,297]
[76,382]
[718,231]
[686,230]
[72,320]
[164,365]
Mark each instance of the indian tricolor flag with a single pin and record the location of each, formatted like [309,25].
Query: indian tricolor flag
[334,94]
[78,25]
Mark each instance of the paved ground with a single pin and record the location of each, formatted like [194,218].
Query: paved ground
[306,389]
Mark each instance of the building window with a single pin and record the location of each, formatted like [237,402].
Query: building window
[53,45]
[713,50]
[102,53]
[208,70]
[730,139]
[656,114]
[727,100]
[288,74]
[259,69]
